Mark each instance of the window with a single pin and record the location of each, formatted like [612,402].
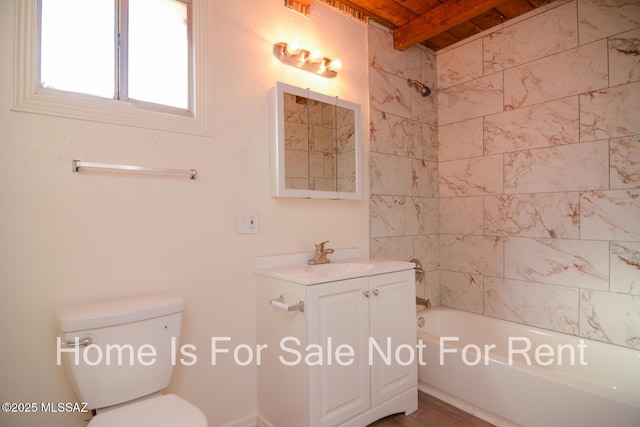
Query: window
[83,42]
[77,49]
[134,62]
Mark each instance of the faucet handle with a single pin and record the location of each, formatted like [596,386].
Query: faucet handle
[320,246]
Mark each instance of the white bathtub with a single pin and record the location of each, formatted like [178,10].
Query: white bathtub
[506,389]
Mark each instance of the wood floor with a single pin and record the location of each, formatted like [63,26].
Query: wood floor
[432,412]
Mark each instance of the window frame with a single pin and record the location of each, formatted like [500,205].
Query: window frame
[31,96]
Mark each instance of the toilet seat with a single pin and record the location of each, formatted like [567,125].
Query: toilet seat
[166,410]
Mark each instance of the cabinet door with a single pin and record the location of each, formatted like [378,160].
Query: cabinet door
[393,314]
[338,315]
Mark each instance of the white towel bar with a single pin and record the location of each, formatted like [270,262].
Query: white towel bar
[77,164]
[279,302]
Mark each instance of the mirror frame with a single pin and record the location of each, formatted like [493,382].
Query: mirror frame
[278,188]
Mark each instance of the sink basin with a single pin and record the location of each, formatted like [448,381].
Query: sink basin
[345,264]
[340,268]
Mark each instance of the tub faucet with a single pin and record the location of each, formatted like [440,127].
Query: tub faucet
[422,301]
[321,254]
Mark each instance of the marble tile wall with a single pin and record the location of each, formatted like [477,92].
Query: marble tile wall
[527,207]
[539,171]
[309,154]
[404,212]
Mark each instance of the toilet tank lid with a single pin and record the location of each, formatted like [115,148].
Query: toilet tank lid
[117,311]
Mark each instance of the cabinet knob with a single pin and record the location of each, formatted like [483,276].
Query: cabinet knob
[367,294]
[376,292]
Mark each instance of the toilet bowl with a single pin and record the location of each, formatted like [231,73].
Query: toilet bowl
[119,357]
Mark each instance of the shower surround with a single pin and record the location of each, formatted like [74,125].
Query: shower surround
[403,158]
[538,171]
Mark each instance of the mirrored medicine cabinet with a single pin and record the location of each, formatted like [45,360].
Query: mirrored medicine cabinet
[315,145]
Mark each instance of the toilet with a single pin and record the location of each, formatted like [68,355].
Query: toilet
[120,354]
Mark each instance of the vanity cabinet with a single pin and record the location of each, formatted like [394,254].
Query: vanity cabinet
[347,359]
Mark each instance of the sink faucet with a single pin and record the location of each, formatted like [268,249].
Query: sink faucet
[321,254]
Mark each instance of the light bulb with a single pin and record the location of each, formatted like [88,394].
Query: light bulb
[293,48]
[315,56]
[335,65]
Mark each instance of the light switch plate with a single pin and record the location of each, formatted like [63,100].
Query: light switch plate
[247,222]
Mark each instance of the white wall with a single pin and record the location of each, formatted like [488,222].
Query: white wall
[69,238]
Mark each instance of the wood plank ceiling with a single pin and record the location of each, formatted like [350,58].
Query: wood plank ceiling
[440,23]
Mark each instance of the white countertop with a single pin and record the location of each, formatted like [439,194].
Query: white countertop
[345,264]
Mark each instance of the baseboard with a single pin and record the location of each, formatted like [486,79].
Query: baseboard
[246,422]
[465,406]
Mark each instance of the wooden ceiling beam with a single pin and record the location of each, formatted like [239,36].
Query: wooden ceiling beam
[439,19]
[387,10]
[420,6]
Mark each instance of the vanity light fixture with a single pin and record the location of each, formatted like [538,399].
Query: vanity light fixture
[312,61]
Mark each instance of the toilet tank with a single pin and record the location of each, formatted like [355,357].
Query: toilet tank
[119,350]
